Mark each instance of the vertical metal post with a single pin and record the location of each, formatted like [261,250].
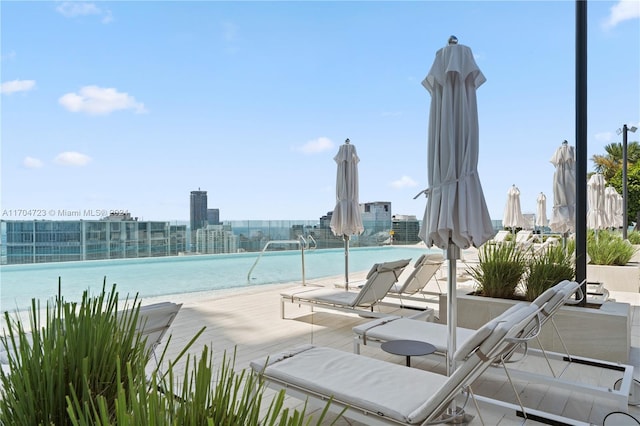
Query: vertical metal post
[453,254]
[346,261]
[625,224]
[581,145]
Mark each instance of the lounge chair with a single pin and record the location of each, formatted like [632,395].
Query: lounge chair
[379,281]
[406,328]
[412,281]
[500,237]
[549,242]
[154,322]
[392,328]
[524,237]
[379,392]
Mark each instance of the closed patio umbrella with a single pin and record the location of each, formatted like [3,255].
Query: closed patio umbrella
[612,207]
[619,219]
[596,216]
[541,214]
[513,217]
[541,211]
[346,219]
[456,215]
[563,214]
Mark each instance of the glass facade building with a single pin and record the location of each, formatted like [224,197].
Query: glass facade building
[70,240]
[122,237]
[198,210]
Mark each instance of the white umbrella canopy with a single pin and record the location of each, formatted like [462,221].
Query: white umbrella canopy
[619,219]
[513,217]
[541,210]
[456,215]
[563,215]
[346,219]
[596,216]
[613,207]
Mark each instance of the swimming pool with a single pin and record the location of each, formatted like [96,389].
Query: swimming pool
[183,274]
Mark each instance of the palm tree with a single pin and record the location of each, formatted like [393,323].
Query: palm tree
[610,163]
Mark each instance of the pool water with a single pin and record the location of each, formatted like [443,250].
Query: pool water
[184,274]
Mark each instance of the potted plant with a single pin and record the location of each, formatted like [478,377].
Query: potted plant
[546,269]
[608,248]
[609,257]
[499,271]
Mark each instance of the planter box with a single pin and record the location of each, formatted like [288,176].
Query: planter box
[616,278]
[603,333]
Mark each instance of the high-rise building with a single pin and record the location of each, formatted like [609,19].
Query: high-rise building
[376,216]
[213,216]
[113,237]
[405,229]
[198,212]
[215,239]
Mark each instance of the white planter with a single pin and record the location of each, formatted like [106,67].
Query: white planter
[616,278]
[603,333]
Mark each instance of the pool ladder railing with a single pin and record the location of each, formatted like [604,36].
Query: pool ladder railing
[301,242]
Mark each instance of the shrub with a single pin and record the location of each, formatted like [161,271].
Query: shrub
[608,248]
[547,269]
[500,270]
[229,398]
[634,237]
[76,348]
[85,364]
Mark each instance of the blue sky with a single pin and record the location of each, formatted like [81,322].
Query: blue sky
[132,105]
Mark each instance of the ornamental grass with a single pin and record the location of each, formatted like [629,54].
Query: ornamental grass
[500,270]
[85,364]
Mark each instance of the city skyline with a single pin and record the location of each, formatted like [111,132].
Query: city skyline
[129,106]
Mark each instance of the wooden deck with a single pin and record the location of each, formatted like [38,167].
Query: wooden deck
[248,320]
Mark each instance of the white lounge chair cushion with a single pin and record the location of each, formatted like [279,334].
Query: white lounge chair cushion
[364,382]
[492,332]
[295,291]
[379,280]
[402,328]
[356,380]
[154,321]
[327,295]
[413,280]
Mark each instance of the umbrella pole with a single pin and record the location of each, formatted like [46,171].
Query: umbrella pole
[453,254]
[346,262]
[454,413]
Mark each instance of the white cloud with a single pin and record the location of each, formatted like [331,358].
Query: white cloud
[32,163]
[316,145]
[72,158]
[229,31]
[13,86]
[622,11]
[8,56]
[108,17]
[404,182]
[604,136]
[72,9]
[96,100]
